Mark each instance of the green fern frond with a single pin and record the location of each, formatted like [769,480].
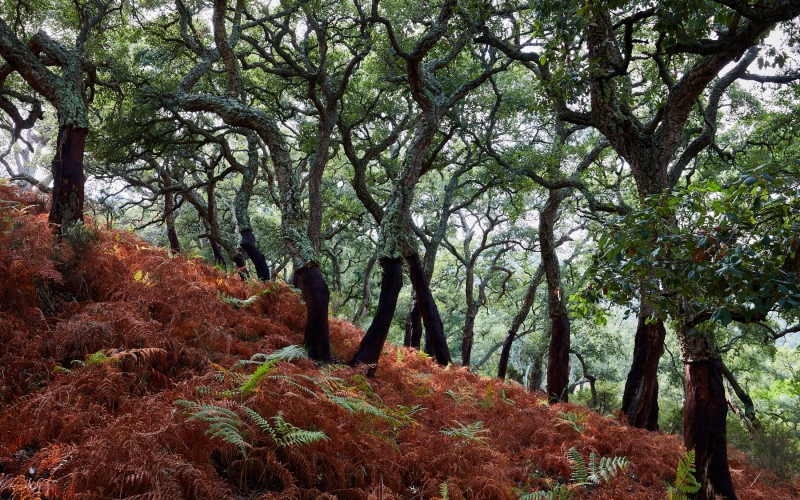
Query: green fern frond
[295,436]
[685,482]
[469,431]
[580,474]
[595,471]
[443,493]
[224,423]
[266,363]
[285,434]
[288,353]
[572,419]
[237,303]
[560,492]
[257,376]
[97,358]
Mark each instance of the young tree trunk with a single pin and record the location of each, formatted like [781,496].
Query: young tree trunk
[316,296]
[248,244]
[516,323]
[369,350]
[434,330]
[558,360]
[640,399]
[68,178]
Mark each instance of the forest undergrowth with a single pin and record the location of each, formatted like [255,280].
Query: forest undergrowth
[125,373]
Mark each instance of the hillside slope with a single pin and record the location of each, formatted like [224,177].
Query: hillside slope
[154,338]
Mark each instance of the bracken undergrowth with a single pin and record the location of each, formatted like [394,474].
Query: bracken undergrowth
[96,347]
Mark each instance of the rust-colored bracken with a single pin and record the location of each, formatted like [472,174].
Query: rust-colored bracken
[110,429]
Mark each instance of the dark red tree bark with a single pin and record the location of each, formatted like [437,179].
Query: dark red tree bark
[369,351]
[248,244]
[704,428]
[316,296]
[68,178]
[558,360]
[640,399]
[434,330]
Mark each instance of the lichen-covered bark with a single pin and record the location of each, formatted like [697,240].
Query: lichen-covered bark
[67,94]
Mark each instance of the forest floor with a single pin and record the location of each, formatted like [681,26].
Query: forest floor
[119,363]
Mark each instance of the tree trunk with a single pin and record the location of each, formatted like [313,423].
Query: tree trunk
[558,360]
[366,294]
[704,428]
[505,354]
[558,357]
[68,178]
[316,296]
[413,336]
[241,265]
[434,330]
[174,243]
[466,344]
[248,244]
[169,219]
[748,413]
[219,258]
[640,399]
[519,318]
[369,351]
[537,374]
